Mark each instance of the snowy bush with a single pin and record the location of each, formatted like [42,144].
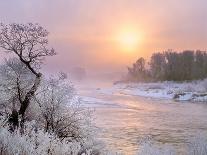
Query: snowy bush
[61,122]
[61,125]
[34,143]
[60,111]
[38,142]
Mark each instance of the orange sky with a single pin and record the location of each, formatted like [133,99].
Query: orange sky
[83,31]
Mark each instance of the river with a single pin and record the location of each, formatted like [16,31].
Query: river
[125,120]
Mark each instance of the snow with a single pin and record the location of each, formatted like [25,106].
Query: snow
[38,142]
[195,91]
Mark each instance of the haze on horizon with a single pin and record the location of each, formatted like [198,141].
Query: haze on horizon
[84,32]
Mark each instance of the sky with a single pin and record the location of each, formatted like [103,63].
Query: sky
[84,32]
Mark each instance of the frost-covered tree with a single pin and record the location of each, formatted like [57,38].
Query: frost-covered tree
[37,142]
[60,109]
[27,96]
[15,82]
[28,42]
[56,114]
[61,113]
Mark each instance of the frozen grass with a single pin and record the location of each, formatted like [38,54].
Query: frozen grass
[38,142]
[34,143]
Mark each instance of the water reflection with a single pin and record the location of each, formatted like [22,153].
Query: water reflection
[134,118]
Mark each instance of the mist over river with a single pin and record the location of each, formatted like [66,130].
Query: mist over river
[126,120]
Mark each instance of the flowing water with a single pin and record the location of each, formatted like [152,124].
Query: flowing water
[124,120]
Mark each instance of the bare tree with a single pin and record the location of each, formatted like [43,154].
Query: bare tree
[29,43]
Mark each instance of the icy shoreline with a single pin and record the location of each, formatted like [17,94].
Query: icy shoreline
[195,91]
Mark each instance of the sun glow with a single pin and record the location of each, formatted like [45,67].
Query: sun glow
[128,40]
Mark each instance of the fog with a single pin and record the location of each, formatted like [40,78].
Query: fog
[82,31]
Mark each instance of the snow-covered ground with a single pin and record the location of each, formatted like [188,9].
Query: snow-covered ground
[195,91]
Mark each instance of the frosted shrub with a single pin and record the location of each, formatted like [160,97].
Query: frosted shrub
[37,142]
[61,125]
[60,112]
[15,144]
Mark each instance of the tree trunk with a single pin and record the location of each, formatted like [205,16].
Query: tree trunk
[14,120]
[28,97]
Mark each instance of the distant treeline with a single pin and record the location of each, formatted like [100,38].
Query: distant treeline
[170,66]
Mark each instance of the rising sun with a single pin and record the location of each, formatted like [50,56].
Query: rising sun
[128,40]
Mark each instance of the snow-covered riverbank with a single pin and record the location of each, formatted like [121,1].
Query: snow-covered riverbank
[128,122]
[195,91]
